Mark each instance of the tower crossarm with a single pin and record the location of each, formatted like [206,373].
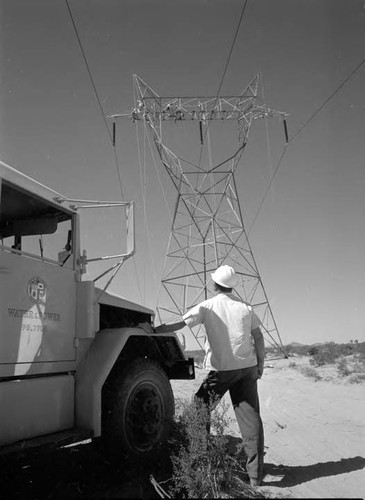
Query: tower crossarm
[156,109]
[204,109]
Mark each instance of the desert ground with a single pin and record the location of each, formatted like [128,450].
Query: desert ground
[314,437]
[314,431]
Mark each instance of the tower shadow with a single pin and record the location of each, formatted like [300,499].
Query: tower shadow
[293,475]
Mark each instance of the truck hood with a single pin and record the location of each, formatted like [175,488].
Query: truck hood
[111,299]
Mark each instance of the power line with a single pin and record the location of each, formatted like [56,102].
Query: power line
[105,122]
[343,83]
[226,67]
[268,188]
[305,124]
[232,47]
[95,92]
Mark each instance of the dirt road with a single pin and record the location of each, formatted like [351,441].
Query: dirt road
[314,434]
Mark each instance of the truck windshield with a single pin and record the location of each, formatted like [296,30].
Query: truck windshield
[29,224]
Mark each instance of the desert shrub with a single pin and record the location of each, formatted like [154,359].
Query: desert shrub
[359,365]
[202,467]
[300,350]
[310,372]
[360,358]
[329,352]
[313,351]
[343,368]
[357,378]
[360,348]
[326,354]
[199,468]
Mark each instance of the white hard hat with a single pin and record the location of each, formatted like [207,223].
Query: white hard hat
[225,276]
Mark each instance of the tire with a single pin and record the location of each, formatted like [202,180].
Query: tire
[138,410]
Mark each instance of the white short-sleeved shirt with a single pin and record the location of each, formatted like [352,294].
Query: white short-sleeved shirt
[228,323]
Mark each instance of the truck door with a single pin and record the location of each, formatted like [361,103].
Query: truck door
[37,282]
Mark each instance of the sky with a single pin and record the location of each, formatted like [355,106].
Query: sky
[305,214]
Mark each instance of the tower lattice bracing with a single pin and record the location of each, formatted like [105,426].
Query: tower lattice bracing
[207,228]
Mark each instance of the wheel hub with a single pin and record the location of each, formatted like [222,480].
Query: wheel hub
[144,417]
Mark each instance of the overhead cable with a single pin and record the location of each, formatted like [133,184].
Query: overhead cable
[224,73]
[143,179]
[96,94]
[305,124]
[111,135]
[232,47]
[342,84]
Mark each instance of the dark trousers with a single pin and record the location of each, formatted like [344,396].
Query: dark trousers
[242,387]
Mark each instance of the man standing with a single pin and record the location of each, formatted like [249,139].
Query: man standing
[236,353]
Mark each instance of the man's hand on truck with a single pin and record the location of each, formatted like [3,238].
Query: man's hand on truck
[147,327]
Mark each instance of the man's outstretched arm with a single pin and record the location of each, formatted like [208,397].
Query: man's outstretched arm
[172,327]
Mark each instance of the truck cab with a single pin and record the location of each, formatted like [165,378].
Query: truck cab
[74,361]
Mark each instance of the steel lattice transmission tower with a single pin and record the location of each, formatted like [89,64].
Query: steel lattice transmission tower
[207,229]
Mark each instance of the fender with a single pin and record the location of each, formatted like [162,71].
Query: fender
[94,370]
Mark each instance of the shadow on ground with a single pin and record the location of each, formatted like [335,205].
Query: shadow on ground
[78,472]
[81,472]
[293,475]
[285,476]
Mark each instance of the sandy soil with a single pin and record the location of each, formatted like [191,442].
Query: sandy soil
[314,431]
[314,436]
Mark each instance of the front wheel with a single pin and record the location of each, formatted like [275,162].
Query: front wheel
[138,410]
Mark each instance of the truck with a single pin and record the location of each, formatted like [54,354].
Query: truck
[75,363]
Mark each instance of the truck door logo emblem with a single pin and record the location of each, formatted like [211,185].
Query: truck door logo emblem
[37,290]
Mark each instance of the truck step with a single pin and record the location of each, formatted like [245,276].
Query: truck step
[54,440]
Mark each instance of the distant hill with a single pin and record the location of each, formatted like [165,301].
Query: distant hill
[293,347]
